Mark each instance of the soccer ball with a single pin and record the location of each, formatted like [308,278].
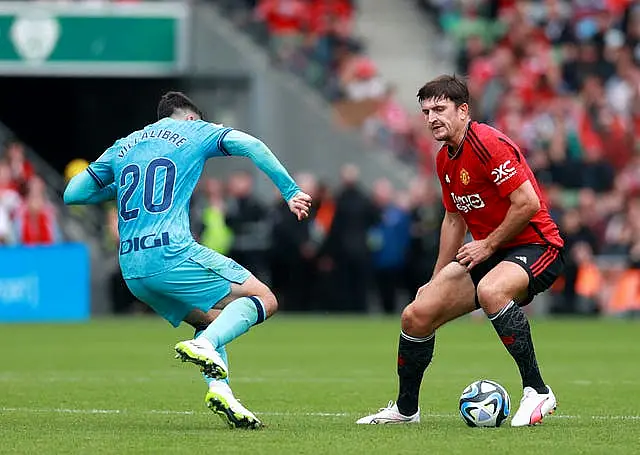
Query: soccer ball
[484,403]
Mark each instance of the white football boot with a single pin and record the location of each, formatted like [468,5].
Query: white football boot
[202,353]
[390,414]
[534,407]
[220,400]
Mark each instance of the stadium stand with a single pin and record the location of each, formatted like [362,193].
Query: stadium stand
[562,79]
[559,77]
[564,82]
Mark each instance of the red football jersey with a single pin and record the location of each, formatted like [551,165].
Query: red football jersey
[477,179]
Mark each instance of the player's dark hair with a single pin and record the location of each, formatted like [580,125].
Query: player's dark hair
[447,87]
[171,101]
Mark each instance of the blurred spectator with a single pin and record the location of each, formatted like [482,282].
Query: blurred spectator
[325,209]
[389,240]
[628,180]
[625,300]
[285,21]
[6,228]
[10,201]
[360,81]
[293,252]
[575,234]
[215,232]
[74,167]
[21,168]
[390,126]
[618,233]
[426,213]
[247,219]
[588,282]
[35,220]
[346,243]
[122,300]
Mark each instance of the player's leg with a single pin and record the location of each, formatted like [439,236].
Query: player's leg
[248,303]
[244,301]
[200,320]
[241,301]
[181,294]
[219,397]
[511,283]
[215,286]
[450,295]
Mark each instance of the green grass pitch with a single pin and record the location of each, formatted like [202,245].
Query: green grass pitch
[112,386]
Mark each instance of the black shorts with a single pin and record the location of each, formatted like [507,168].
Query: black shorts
[543,264]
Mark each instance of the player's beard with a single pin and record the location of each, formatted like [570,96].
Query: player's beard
[442,135]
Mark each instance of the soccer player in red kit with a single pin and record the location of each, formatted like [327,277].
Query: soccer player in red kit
[516,252]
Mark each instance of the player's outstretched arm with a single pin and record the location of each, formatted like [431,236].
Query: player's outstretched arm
[83,189]
[237,143]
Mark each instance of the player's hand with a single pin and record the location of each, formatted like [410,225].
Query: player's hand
[300,204]
[473,253]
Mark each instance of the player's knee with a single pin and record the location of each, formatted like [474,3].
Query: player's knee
[489,296]
[270,302]
[415,322]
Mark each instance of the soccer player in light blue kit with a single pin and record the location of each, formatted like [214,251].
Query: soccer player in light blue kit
[152,173]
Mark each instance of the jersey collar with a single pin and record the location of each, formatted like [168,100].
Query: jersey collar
[454,154]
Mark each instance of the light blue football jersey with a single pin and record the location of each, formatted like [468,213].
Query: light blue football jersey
[156,170]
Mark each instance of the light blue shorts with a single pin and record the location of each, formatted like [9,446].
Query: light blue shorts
[196,284]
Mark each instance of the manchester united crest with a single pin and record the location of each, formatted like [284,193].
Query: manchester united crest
[464,176]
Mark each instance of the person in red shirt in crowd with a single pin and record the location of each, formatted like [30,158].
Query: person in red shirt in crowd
[285,20]
[36,218]
[330,16]
[516,252]
[9,202]
[21,168]
[9,196]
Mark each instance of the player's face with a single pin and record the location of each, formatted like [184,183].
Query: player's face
[444,119]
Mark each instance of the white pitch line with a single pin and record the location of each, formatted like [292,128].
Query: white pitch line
[282,414]
[157,411]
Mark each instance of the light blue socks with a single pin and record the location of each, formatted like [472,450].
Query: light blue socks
[222,352]
[236,319]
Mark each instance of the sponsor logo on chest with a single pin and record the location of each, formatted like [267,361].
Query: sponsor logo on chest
[467,202]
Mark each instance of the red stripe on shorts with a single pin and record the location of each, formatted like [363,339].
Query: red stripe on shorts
[539,265]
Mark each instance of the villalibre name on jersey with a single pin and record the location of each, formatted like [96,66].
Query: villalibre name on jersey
[165,134]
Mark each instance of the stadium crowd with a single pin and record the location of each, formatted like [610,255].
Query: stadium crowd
[561,78]
[27,216]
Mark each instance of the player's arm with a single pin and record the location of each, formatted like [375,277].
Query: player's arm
[95,184]
[511,181]
[83,189]
[452,235]
[237,143]
[525,203]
